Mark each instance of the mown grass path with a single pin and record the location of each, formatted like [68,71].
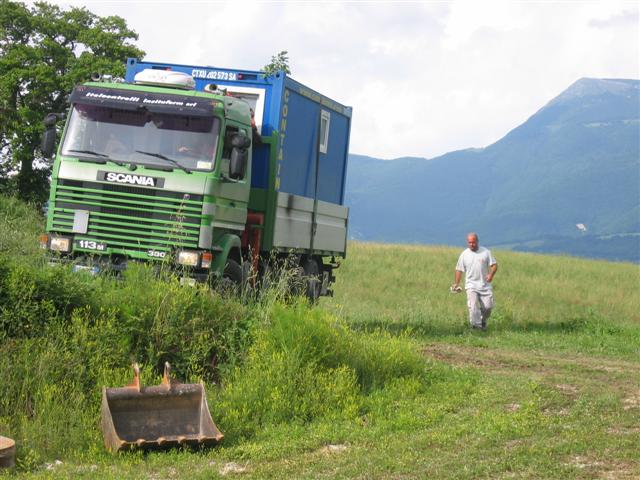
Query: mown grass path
[575,380]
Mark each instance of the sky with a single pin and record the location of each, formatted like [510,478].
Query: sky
[423,78]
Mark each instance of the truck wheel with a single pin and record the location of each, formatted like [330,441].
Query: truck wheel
[312,277]
[233,272]
[232,278]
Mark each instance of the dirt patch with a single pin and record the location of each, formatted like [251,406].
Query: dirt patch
[333,449]
[511,444]
[605,470]
[232,468]
[571,375]
[597,369]
[621,472]
[570,390]
[633,401]
[623,430]
[501,359]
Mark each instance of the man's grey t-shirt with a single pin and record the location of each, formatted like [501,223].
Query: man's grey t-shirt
[476,265]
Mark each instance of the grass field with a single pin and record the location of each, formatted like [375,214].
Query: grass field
[385,380]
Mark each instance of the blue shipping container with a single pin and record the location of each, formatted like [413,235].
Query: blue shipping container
[313,130]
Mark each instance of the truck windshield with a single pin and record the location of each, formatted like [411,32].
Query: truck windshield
[142,137]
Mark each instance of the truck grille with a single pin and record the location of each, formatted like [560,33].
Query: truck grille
[131,218]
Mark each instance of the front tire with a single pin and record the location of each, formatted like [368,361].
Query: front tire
[233,272]
[233,279]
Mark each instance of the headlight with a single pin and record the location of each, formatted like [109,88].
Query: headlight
[188,258]
[60,244]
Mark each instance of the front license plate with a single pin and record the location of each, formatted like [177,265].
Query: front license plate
[86,268]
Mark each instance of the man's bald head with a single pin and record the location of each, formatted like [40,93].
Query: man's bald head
[472,241]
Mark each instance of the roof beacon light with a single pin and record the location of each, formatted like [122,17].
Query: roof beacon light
[165,78]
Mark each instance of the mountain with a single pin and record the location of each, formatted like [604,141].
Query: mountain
[574,162]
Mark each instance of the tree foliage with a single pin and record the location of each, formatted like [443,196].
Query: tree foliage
[279,62]
[44,52]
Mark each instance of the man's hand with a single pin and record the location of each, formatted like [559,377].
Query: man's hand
[492,271]
[455,288]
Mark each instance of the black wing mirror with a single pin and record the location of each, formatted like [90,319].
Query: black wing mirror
[48,144]
[239,156]
[238,163]
[240,141]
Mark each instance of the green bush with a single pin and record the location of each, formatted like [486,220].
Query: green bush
[306,365]
[33,295]
[375,357]
[21,225]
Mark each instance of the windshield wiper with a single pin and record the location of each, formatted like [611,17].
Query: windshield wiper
[90,152]
[98,154]
[164,157]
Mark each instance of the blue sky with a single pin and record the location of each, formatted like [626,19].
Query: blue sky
[424,78]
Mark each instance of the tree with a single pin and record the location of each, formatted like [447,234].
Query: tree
[44,52]
[279,62]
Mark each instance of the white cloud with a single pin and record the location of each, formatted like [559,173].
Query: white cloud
[423,78]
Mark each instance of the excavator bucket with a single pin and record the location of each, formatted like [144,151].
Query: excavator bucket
[7,452]
[156,417]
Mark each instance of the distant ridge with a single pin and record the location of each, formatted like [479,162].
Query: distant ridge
[589,87]
[574,161]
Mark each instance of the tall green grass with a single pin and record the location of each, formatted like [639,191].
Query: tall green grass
[20,226]
[540,299]
[286,381]
[305,365]
[65,335]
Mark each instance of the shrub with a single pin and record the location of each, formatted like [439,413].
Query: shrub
[21,225]
[306,365]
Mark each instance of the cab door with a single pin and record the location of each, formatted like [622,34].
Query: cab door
[232,194]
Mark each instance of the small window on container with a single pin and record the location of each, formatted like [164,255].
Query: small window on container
[325,117]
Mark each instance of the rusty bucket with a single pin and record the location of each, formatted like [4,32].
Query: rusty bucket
[7,452]
[160,416]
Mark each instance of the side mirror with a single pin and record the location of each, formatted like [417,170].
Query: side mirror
[238,163]
[48,142]
[50,120]
[240,141]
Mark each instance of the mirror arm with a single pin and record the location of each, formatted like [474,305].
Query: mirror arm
[226,179]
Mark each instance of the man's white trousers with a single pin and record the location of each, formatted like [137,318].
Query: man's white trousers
[480,305]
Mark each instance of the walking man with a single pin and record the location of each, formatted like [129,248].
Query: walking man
[479,268]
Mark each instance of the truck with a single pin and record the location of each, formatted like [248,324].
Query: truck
[215,172]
